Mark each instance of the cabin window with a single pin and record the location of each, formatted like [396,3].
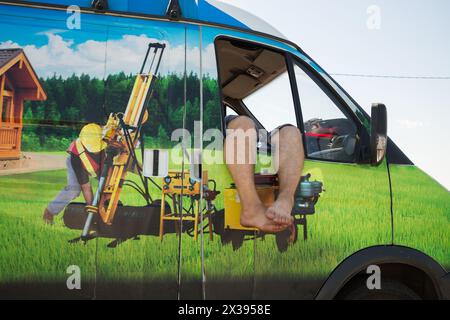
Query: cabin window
[6,109]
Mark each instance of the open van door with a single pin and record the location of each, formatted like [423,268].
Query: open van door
[337,210]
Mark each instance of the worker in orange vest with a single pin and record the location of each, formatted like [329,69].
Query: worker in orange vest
[86,156]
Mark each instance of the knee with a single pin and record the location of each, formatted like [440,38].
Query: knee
[73,191]
[242,122]
[290,132]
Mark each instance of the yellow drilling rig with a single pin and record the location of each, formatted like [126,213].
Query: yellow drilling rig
[122,133]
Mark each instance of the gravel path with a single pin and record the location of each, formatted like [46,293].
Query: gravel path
[33,162]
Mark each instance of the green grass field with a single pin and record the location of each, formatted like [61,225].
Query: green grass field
[422,213]
[351,215]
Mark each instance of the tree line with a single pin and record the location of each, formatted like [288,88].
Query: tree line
[77,100]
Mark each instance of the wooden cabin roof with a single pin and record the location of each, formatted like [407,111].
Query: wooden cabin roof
[15,64]
[7,55]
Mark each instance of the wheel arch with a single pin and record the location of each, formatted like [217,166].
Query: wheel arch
[382,255]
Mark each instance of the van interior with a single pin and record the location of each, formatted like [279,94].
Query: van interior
[245,68]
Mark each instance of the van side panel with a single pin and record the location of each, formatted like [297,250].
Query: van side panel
[88,71]
[86,65]
[37,260]
[421,213]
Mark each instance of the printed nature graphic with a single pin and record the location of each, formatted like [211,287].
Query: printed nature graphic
[345,218]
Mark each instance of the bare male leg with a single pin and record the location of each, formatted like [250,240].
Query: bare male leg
[253,214]
[288,143]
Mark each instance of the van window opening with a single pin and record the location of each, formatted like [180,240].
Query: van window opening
[269,111]
[255,82]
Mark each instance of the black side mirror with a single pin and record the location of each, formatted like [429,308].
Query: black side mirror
[378,134]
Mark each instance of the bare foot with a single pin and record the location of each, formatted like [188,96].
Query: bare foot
[256,218]
[280,211]
[48,217]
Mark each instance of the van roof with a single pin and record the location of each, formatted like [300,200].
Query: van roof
[209,11]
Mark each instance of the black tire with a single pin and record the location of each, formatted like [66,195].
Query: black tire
[390,290]
[158,202]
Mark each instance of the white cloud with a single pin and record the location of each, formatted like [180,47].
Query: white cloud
[63,57]
[8,44]
[53,31]
[130,51]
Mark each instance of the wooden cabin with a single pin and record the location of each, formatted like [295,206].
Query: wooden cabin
[18,82]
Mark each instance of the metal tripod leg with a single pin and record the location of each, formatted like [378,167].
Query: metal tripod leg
[89,237]
[88,223]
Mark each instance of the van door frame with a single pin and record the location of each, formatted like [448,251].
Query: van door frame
[291,59]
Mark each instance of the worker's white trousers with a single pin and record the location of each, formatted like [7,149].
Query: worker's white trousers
[70,192]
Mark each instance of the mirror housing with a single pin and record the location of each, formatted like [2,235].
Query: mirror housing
[378,134]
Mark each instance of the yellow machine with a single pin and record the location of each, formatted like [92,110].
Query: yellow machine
[267,186]
[180,186]
[134,116]
[233,206]
[122,133]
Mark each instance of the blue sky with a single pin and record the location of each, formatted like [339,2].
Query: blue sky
[413,40]
[54,20]
[53,48]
